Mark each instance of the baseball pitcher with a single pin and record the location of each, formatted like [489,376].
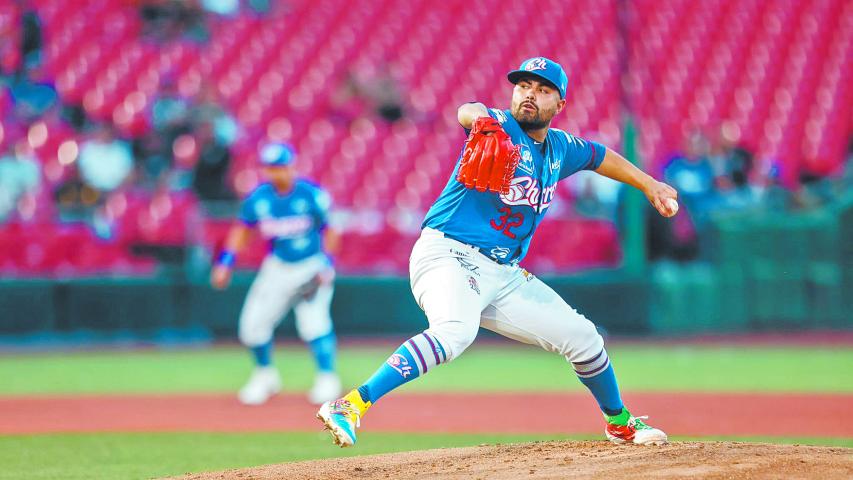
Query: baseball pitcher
[292,214]
[464,269]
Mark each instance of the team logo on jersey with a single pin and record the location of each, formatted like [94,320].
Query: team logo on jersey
[465,264]
[526,162]
[262,208]
[499,252]
[299,205]
[526,191]
[286,227]
[399,363]
[472,282]
[554,165]
[536,64]
[300,243]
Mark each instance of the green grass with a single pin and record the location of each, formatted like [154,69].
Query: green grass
[485,368]
[123,455]
[120,455]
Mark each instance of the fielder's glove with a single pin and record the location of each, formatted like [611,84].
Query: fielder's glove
[490,158]
[309,290]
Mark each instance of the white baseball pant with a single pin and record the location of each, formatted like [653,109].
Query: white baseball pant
[277,289]
[460,290]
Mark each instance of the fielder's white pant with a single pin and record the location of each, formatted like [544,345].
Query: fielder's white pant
[276,290]
[460,290]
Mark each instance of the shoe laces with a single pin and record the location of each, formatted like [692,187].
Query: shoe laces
[637,422]
[347,409]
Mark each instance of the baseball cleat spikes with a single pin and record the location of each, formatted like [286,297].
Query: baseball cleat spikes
[341,418]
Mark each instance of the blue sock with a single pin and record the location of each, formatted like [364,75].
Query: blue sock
[598,376]
[325,352]
[414,358]
[263,354]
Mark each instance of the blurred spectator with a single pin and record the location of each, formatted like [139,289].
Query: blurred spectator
[221,7]
[32,99]
[260,6]
[31,41]
[740,194]
[170,118]
[152,158]
[594,195]
[169,111]
[212,167]
[693,176]
[167,20]
[19,175]
[375,88]
[105,161]
[208,109]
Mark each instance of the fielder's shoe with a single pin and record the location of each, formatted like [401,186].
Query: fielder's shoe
[263,384]
[626,428]
[327,387]
[341,418]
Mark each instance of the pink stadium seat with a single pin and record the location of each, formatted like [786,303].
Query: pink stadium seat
[775,71]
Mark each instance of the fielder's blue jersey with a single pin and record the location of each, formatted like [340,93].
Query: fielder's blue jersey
[293,222]
[501,226]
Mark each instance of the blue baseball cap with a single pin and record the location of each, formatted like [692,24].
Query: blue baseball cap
[543,68]
[277,154]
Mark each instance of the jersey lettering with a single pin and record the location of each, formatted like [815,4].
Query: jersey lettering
[286,227]
[526,191]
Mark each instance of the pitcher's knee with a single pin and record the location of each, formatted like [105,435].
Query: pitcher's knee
[454,337]
[582,343]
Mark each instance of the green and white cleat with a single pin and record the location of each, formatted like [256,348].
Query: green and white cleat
[626,428]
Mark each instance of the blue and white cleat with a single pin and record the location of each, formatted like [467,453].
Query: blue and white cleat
[340,418]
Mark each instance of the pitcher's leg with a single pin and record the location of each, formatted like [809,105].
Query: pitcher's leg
[453,310]
[531,312]
[453,296]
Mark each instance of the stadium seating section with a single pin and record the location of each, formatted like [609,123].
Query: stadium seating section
[771,73]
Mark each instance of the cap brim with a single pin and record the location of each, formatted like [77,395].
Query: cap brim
[515,76]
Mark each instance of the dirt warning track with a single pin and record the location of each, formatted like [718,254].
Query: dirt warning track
[693,414]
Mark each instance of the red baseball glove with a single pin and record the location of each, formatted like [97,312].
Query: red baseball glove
[490,158]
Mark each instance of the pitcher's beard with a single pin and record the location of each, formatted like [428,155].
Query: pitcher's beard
[530,121]
[532,124]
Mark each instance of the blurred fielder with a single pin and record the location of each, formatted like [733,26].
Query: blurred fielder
[464,268]
[292,214]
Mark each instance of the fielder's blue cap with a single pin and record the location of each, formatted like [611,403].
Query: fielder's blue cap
[277,154]
[544,69]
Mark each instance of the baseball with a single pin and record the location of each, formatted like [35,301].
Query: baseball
[672,206]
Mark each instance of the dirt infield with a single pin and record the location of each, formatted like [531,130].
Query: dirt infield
[712,460]
[690,414]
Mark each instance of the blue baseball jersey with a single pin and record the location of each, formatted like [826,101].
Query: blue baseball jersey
[293,222]
[501,226]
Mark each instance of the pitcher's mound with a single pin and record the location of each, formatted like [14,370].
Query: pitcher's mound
[587,459]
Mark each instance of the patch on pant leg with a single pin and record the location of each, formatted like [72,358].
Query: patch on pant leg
[473,283]
[468,266]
